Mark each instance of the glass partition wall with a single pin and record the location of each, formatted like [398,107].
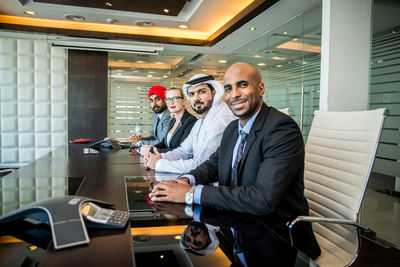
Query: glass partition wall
[289,60]
[287,57]
[381,206]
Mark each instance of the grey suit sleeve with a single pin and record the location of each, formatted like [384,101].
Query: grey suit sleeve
[162,132]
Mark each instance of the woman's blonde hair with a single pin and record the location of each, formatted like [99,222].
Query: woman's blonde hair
[176,88]
[180,91]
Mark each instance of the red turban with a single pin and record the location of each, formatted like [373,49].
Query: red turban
[158,90]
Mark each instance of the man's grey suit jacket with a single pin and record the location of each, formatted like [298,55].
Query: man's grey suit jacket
[158,131]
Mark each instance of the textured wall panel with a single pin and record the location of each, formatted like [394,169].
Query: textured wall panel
[33,97]
[25,93]
[26,125]
[27,140]
[25,109]
[8,93]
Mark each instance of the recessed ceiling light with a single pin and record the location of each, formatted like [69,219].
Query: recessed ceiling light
[278,58]
[33,13]
[119,74]
[108,4]
[166,10]
[143,23]
[149,75]
[252,28]
[222,61]
[183,26]
[151,72]
[222,47]
[257,56]
[139,61]
[165,76]
[135,71]
[74,17]
[285,33]
[111,21]
[177,237]
[393,31]
[295,39]
[261,64]
[279,66]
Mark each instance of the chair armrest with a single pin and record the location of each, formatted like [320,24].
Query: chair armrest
[325,220]
[322,220]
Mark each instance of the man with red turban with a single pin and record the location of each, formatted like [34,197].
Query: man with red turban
[161,118]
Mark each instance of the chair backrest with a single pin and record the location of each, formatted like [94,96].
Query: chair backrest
[287,111]
[340,152]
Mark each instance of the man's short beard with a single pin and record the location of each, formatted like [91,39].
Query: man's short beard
[245,115]
[203,110]
[161,109]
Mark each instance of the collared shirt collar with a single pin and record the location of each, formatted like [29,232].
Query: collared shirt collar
[247,127]
[160,114]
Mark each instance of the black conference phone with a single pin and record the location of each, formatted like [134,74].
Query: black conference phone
[106,145]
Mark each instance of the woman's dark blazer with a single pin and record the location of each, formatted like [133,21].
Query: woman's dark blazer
[180,134]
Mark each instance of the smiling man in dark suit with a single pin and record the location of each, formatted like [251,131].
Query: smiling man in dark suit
[259,164]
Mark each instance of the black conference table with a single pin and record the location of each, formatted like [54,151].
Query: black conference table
[152,237]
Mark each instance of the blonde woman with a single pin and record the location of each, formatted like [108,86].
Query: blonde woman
[181,122]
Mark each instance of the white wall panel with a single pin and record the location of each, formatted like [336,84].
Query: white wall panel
[42,125]
[58,125]
[25,62]
[25,77]
[25,47]
[8,93]
[33,95]
[58,139]
[9,155]
[8,77]
[58,110]
[42,64]
[42,94]
[26,125]
[42,109]
[25,93]
[26,140]
[9,140]
[9,109]
[25,109]
[9,125]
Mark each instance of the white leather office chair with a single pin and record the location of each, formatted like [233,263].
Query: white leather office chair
[339,155]
[287,111]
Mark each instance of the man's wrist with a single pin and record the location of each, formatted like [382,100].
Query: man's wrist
[185,179]
[188,210]
[189,196]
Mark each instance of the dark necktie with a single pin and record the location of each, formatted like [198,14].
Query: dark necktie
[156,130]
[239,154]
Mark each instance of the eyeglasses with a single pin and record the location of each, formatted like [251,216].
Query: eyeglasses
[175,98]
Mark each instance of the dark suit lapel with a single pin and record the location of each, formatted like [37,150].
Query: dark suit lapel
[257,126]
[176,130]
[228,156]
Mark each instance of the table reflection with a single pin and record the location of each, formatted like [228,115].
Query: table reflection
[243,239]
